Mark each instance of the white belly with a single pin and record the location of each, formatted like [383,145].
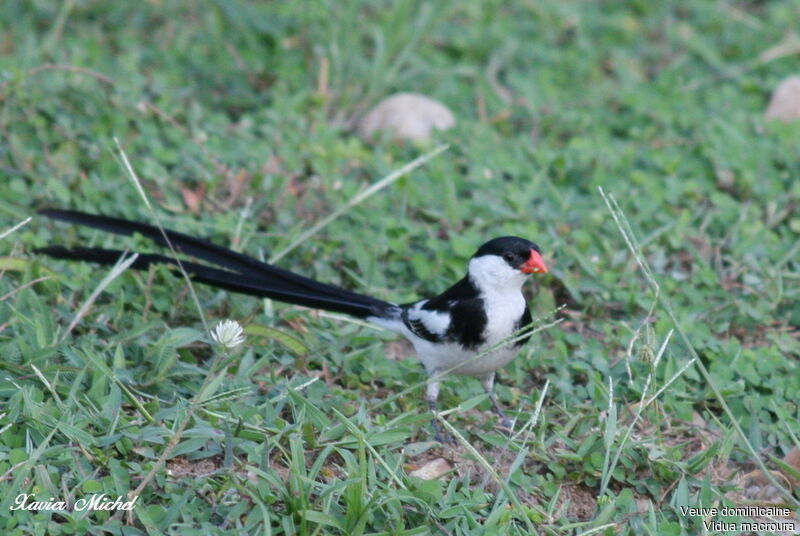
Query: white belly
[451,358]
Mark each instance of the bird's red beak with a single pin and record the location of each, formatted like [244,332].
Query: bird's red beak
[534,264]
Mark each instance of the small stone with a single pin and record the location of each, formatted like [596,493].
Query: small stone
[406,116]
[792,459]
[432,470]
[785,103]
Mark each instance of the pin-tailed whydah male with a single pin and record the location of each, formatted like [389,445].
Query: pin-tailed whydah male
[449,331]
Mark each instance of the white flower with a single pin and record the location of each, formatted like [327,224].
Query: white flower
[228,333]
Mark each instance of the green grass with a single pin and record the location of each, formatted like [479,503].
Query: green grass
[638,402]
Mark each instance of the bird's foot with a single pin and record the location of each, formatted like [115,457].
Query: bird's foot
[440,435]
[444,438]
[507,424]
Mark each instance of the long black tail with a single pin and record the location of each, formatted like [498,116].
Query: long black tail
[238,272]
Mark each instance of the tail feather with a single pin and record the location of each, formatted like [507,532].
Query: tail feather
[191,245]
[202,249]
[241,273]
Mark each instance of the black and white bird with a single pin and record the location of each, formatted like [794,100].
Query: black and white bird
[460,331]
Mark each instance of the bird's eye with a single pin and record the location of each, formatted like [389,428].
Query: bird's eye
[508,256]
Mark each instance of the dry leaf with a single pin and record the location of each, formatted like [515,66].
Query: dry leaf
[194,198]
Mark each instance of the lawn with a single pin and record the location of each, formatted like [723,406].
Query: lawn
[626,138]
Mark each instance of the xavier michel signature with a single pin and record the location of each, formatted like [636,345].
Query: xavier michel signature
[97,501]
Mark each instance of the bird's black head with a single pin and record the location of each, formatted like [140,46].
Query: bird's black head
[519,254]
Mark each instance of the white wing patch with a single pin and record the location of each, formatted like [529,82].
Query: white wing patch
[433,321]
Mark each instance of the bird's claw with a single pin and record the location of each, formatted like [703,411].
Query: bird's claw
[507,423]
[440,435]
[444,439]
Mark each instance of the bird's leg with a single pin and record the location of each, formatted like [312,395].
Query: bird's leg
[488,385]
[431,394]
